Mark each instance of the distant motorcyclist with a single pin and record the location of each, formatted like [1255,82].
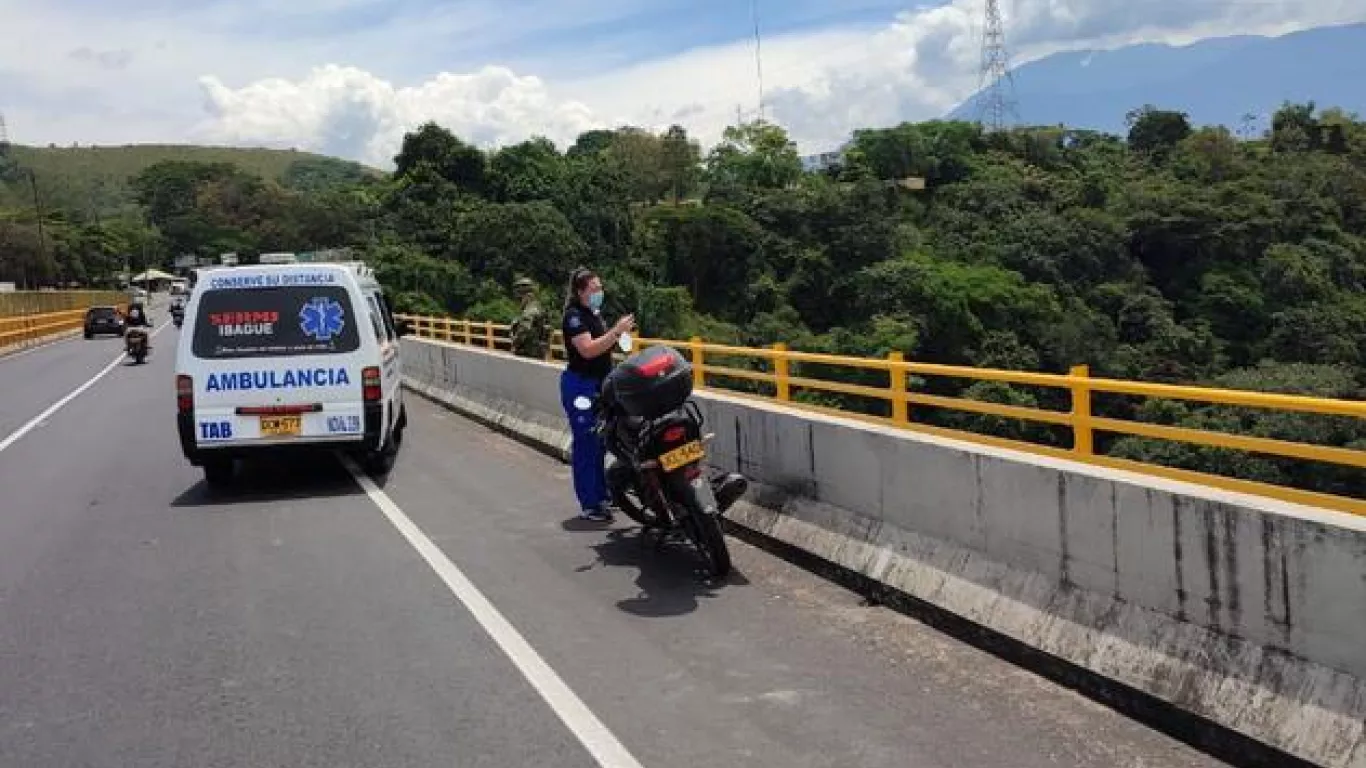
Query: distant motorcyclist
[137,316]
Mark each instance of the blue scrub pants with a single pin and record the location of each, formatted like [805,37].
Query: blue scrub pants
[579,394]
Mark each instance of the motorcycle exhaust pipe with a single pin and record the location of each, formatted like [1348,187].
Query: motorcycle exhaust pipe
[729,489]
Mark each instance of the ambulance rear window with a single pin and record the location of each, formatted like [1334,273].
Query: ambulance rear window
[275,322]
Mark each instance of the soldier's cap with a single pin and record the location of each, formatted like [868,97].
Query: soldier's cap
[524,284]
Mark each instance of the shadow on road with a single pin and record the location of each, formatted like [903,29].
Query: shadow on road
[281,477]
[670,580]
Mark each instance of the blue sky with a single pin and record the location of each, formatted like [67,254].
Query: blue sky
[350,76]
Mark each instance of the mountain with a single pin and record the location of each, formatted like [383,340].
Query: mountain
[1215,81]
[95,179]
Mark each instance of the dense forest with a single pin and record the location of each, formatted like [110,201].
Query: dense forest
[1175,253]
[92,224]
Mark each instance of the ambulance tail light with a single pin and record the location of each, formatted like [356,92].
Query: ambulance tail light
[370,385]
[184,393]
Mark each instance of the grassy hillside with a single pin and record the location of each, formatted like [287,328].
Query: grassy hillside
[94,180]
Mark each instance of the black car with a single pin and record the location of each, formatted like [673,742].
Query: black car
[101,320]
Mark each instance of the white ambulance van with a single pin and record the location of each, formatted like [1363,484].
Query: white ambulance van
[290,356]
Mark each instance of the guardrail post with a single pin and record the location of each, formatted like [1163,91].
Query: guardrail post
[782,372]
[1083,439]
[896,379]
[699,376]
[446,334]
[467,330]
[488,334]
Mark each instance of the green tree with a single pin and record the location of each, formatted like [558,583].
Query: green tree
[713,251]
[532,170]
[449,157]
[498,242]
[754,155]
[1157,131]
[680,162]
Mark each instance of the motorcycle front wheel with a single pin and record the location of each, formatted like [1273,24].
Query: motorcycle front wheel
[626,496]
[635,508]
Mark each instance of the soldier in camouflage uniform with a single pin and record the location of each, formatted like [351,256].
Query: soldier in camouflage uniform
[530,333]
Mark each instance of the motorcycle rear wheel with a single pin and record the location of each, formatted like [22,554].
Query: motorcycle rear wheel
[705,531]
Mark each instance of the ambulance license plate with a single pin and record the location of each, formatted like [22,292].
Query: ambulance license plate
[281,426]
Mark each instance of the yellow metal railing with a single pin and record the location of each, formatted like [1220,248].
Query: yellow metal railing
[26,329]
[1080,419]
[29,317]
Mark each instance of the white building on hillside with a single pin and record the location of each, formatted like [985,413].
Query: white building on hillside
[823,161]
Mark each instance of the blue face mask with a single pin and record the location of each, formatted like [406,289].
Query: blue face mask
[595,300]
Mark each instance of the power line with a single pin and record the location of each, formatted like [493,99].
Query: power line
[996,88]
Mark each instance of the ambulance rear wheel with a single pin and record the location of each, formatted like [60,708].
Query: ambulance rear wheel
[381,462]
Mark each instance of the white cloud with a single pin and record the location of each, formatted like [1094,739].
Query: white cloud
[352,113]
[354,91]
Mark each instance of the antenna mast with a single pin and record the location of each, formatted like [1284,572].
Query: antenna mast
[758,54]
[996,88]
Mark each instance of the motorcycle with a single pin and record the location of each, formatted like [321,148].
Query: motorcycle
[178,315]
[659,474]
[137,343]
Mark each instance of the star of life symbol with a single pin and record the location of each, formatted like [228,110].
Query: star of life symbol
[322,318]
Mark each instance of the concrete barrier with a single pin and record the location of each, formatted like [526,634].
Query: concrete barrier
[1244,611]
[22,332]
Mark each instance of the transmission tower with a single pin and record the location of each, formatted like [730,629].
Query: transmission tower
[996,86]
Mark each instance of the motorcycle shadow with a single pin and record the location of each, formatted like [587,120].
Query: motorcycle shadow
[669,576]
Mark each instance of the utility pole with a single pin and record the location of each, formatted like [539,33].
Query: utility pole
[758,54]
[38,210]
[996,87]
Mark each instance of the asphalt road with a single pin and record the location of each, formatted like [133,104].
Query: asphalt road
[147,622]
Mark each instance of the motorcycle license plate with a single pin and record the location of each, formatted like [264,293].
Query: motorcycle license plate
[682,456]
[281,426]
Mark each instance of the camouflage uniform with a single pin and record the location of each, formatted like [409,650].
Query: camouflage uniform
[530,334]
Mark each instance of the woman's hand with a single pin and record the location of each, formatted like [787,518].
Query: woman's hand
[624,325]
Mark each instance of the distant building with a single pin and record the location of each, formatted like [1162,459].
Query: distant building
[822,162]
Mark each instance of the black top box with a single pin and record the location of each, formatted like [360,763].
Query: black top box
[651,383]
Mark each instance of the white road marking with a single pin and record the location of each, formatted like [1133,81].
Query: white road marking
[605,748]
[57,406]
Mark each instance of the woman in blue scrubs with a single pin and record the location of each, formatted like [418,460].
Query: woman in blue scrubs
[588,345]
